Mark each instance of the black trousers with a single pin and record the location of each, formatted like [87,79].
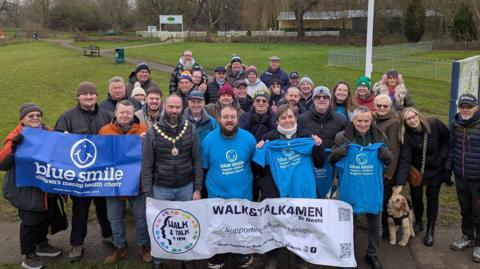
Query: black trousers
[387,193]
[33,229]
[80,208]
[239,259]
[469,199]
[433,193]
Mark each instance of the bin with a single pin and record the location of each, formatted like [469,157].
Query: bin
[120,55]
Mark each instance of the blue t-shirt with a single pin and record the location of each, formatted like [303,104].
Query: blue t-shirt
[324,176]
[228,163]
[361,178]
[291,165]
[340,109]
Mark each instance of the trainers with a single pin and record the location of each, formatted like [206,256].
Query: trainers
[44,249]
[245,261]
[144,251]
[215,266]
[476,254]
[117,254]
[462,243]
[76,253]
[32,261]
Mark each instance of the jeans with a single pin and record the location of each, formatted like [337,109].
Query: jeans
[33,229]
[115,212]
[374,233]
[184,193]
[469,199]
[80,208]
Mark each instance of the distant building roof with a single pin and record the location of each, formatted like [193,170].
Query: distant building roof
[332,15]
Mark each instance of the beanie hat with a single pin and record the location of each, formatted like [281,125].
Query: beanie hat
[142,66]
[262,92]
[252,68]
[86,87]
[226,89]
[364,81]
[235,58]
[294,74]
[321,90]
[137,89]
[306,79]
[187,77]
[220,69]
[27,108]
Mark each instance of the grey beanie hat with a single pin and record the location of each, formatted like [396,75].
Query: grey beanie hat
[306,79]
[27,108]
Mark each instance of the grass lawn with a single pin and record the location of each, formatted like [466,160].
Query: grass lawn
[113,45]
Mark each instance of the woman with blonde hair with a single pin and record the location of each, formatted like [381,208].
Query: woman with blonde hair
[424,146]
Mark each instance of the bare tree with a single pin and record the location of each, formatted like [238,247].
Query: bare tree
[300,7]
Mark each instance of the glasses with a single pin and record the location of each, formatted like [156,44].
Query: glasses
[34,115]
[411,117]
[465,107]
[318,97]
[229,117]
[261,100]
[382,106]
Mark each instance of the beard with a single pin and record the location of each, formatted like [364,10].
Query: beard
[228,133]
[172,118]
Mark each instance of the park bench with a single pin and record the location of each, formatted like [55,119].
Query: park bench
[91,50]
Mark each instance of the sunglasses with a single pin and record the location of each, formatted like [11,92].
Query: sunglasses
[34,115]
[321,97]
[261,100]
[465,107]
[382,106]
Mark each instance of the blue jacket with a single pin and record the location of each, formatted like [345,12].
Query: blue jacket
[464,152]
[205,125]
[279,74]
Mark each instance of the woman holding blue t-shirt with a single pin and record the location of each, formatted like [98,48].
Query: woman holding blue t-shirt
[286,129]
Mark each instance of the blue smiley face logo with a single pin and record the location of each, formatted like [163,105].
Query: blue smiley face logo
[231,155]
[361,159]
[83,153]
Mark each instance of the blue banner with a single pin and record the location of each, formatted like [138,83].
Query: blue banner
[79,165]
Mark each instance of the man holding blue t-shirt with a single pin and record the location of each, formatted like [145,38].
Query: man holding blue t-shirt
[361,132]
[226,153]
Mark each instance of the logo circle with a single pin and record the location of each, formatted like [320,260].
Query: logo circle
[231,155]
[83,153]
[361,159]
[288,152]
[176,231]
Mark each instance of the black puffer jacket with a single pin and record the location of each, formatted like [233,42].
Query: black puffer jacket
[80,121]
[109,104]
[211,95]
[177,72]
[132,78]
[411,153]
[326,126]
[464,152]
[161,168]
[257,124]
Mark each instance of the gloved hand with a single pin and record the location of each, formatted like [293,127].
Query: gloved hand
[342,150]
[447,178]
[384,155]
[17,140]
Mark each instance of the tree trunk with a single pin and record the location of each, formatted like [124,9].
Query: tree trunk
[300,27]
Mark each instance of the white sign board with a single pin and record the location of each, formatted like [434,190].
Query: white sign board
[151,29]
[320,231]
[171,19]
[465,79]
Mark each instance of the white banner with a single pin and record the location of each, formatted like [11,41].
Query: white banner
[171,19]
[320,231]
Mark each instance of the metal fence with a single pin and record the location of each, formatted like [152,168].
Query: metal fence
[398,57]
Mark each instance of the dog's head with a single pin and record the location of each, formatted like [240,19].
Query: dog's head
[397,205]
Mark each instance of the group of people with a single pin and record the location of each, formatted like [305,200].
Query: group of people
[200,140]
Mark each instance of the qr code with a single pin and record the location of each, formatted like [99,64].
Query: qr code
[345,250]
[344,214]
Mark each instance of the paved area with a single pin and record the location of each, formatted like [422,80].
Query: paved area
[414,256]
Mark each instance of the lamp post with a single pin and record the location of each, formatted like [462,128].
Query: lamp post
[369,48]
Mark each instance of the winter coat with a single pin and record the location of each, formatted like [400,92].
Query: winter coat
[246,104]
[211,94]
[25,198]
[369,102]
[132,78]
[411,153]
[351,136]
[252,87]
[79,121]
[177,72]
[326,126]
[401,98]
[306,104]
[214,109]
[161,168]
[257,124]
[464,151]
[146,118]
[204,126]
[110,105]
[231,77]
[279,74]
[389,124]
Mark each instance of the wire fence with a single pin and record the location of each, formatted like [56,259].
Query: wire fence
[398,57]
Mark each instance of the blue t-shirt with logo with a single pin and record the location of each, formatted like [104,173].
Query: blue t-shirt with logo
[324,176]
[361,178]
[291,165]
[228,162]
